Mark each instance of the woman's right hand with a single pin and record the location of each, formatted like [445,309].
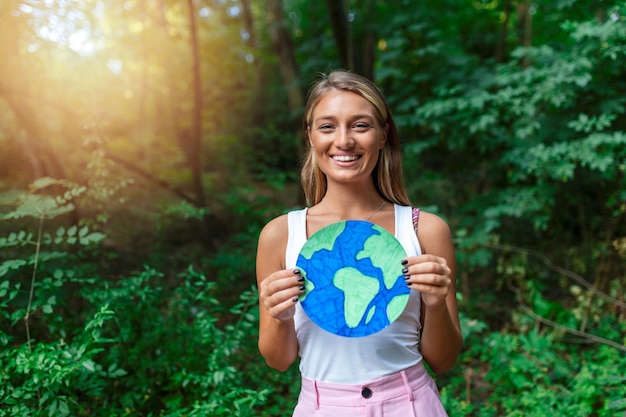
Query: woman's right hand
[278,288]
[279,293]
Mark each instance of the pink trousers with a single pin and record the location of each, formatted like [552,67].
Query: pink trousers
[410,393]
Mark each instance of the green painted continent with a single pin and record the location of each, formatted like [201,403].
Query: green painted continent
[326,240]
[359,291]
[396,306]
[386,254]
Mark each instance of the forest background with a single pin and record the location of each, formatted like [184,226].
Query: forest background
[143,145]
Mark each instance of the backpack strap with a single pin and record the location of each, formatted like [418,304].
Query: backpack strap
[416,218]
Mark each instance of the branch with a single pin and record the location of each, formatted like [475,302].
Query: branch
[573,276]
[526,309]
[147,175]
[558,326]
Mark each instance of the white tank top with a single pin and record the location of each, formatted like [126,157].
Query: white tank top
[336,359]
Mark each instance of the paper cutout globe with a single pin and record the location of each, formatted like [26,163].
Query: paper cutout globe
[354,281]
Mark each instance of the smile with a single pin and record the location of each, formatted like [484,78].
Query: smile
[345,158]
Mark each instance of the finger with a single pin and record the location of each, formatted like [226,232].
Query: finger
[288,294]
[438,287]
[285,309]
[282,290]
[435,280]
[428,267]
[412,260]
[281,280]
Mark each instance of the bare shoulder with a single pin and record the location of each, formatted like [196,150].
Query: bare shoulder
[275,230]
[431,223]
[273,243]
[434,233]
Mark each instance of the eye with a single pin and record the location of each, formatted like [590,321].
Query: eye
[361,126]
[325,127]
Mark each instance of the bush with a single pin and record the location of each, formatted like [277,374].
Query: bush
[76,342]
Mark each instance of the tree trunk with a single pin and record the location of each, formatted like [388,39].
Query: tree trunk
[249,22]
[283,46]
[503,32]
[364,62]
[356,42]
[194,150]
[341,32]
[524,27]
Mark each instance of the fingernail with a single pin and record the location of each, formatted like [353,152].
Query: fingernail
[296,271]
[301,279]
[301,287]
[295,299]
[407,277]
[405,261]
[405,270]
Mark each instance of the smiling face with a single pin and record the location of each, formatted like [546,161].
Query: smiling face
[346,136]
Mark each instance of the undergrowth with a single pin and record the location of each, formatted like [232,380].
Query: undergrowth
[76,341]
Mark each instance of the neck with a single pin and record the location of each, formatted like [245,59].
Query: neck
[351,203]
[354,193]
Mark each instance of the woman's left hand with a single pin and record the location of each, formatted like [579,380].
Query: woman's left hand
[430,275]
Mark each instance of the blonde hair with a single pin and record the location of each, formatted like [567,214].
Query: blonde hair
[388,176]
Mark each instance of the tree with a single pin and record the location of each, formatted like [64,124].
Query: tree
[283,46]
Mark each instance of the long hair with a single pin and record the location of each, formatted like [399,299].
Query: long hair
[387,175]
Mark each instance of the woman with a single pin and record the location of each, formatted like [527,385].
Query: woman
[353,170]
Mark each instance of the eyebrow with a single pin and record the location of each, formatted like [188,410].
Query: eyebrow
[355,117]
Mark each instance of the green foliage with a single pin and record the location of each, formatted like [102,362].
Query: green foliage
[142,344]
[36,203]
[523,151]
[535,140]
[534,374]
[552,358]
[189,354]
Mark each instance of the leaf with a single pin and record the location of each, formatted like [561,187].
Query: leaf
[63,409]
[89,365]
[94,237]
[37,206]
[6,266]
[115,372]
[43,182]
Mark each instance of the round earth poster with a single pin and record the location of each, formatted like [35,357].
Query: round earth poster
[354,281]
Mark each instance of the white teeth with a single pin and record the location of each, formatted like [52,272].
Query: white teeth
[345,158]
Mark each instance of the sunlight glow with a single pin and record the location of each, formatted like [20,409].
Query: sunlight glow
[136,26]
[233,11]
[115,66]
[64,26]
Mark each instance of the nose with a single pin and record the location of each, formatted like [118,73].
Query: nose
[344,138]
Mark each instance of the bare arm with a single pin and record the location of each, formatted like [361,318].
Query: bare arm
[278,292]
[433,274]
